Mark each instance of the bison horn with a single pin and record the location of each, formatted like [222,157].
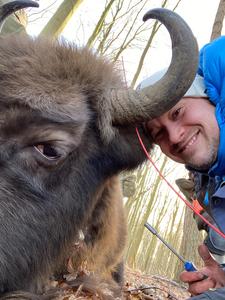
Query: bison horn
[12,6]
[129,106]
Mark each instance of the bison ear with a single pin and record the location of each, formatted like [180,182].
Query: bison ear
[12,6]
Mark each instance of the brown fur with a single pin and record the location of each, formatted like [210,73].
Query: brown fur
[51,106]
[53,78]
[101,250]
[105,234]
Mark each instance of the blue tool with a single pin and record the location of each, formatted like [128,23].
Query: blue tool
[188,265]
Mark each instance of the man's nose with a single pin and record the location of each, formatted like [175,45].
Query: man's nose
[175,134]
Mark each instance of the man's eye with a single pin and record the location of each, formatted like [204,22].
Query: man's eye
[48,151]
[176,113]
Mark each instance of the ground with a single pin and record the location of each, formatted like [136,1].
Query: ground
[137,286]
[140,286]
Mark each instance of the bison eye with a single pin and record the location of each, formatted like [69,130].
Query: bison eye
[48,151]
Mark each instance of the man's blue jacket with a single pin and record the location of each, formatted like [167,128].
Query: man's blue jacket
[212,68]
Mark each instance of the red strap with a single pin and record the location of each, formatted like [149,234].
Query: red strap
[197,206]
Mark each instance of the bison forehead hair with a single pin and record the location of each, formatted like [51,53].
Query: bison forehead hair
[54,77]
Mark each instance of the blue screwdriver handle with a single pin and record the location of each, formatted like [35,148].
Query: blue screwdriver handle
[189,266]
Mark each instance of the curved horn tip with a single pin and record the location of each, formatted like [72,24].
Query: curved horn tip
[155,11]
[10,7]
[20,4]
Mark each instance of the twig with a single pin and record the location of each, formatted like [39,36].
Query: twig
[170,295]
[79,290]
[141,289]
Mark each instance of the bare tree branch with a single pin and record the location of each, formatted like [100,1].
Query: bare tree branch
[60,18]
[218,22]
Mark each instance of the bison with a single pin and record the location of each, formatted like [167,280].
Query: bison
[67,129]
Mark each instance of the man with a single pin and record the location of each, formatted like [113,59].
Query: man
[193,133]
[195,190]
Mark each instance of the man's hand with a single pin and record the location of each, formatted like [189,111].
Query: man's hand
[213,271]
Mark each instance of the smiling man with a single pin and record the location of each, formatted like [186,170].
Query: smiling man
[189,132]
[193,133]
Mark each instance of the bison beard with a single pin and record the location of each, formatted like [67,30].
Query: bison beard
[101,248]
[66,131]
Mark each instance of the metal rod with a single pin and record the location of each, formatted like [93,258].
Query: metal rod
[153,231]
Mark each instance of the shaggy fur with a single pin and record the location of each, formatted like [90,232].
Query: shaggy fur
[57,168]
[105,233]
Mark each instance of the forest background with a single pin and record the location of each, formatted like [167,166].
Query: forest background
[114,28]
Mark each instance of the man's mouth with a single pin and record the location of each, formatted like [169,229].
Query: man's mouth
[189,143]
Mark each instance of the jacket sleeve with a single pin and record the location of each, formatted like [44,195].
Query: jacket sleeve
[212,68]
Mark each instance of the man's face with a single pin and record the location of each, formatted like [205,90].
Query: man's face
[188,133]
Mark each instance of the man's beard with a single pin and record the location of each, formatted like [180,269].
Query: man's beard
[205,166]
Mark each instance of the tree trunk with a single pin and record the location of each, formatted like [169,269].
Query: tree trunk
[100,24]
[60,18]
[135,244]
[218,22]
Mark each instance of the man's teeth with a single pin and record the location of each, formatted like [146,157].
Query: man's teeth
[193,139]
